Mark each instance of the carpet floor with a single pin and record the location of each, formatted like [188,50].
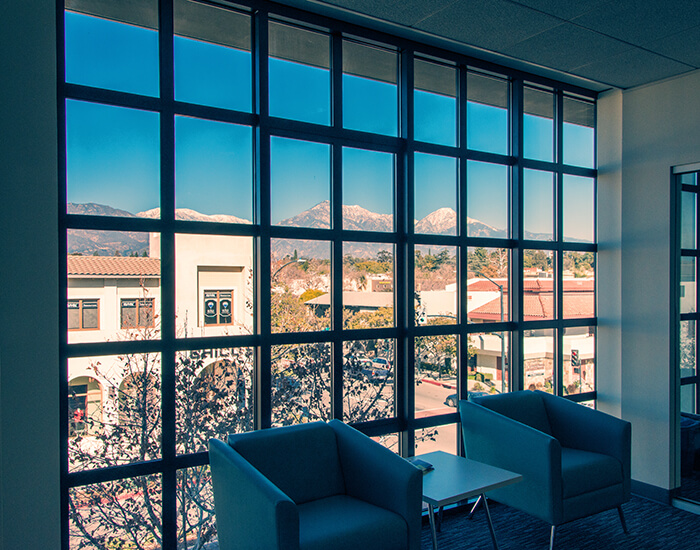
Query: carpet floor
[651,525]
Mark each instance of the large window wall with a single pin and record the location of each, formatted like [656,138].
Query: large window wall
[312,221]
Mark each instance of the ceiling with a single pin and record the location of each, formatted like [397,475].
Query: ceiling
[598,44]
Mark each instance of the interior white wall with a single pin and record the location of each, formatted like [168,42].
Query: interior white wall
[29,442]
[660,130]
[609,338]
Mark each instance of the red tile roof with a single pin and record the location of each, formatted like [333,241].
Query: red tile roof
[112,266]
[541,306]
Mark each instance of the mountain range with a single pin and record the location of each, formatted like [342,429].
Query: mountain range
[440,222]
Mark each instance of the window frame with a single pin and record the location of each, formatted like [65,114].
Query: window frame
[404,239]
[81,302]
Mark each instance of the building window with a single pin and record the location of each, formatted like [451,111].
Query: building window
[83,314]
[401,226]
[218,305]
[137,313]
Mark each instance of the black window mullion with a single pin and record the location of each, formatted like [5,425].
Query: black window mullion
[168,329]
[404,264]
[262,383]
[463,249]
[516,228]
[337,371]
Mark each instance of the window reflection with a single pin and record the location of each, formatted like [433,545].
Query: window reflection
[435,103]
[108,47]
[538,124]
[213,64]
[370,89]
[487,113]
[300,79]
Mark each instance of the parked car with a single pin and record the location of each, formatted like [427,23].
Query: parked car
[375,374]
[382,363]
[453,398]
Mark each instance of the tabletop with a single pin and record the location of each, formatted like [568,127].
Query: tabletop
[456,478]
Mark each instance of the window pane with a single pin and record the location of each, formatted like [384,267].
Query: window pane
[301,383]
[112,48]
[300,175]
[688,288]
[218,264]
[538,205]
[368,190]
[435,194]
[196,520]
[370,90]
[489,370]
[121,413]
[436,375]
[487,199]
[368,285]
[213,171]
[688,399]
[579,133]
[487,114]
[368,380]
[579,360]
[688,219]
[538,125]
[439,438]
[214,395]
[300,76]
[578,285]
[538,285]
[213,65]
[436,285]
[688,348]
[578,209]
[74,314]
[124,513]
[112,160]
[487,285]
[435,103]
[105,269]
[91,314]
[300,273]
[538,360]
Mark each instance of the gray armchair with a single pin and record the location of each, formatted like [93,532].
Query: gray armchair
[575,461]
[312,487]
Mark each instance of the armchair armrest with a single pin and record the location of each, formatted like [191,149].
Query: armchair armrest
[376,475]
[247,503]
[497,440]
[579,427]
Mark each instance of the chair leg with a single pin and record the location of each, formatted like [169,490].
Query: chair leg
[622,520]
[551,537]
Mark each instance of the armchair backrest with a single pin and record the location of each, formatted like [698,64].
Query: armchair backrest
[301,460]
[525,407]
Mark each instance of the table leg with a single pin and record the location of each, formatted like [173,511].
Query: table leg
[488,517]
[431,517]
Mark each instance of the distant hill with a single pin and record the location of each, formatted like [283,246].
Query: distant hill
[106,243]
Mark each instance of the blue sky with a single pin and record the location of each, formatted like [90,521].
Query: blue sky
[113,153]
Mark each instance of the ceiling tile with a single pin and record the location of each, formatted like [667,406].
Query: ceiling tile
[565,9]
[683,46]
[631,68]
[566,47]
[489,24]
[403,12]
[640,22]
